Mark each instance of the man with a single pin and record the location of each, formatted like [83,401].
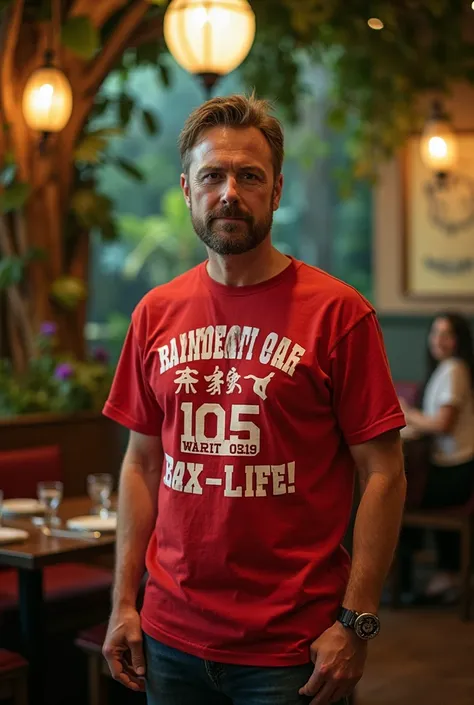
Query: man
[252,386]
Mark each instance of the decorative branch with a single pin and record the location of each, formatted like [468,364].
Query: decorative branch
[87,86]
[148,31]
[98,11]
[21,234]
[114,47]
[11,29]
[10,33]
[18,307]
[6,246]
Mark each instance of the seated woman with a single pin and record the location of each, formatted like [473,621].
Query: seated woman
[447,416]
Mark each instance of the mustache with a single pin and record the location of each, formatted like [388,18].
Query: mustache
[229,212]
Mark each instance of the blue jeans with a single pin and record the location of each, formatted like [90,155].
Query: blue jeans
[177,678]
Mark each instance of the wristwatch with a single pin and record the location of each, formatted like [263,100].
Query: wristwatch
[365,624]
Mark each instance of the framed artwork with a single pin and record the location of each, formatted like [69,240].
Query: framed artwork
[438,241]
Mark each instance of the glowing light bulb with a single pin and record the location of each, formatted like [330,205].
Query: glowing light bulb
[211,36]
[375,23]
[47,100]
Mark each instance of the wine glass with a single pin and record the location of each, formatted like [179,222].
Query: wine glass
[50,495]
[99,489]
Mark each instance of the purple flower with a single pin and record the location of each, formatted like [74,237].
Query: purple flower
[101,355]
[64,371]
[48,328]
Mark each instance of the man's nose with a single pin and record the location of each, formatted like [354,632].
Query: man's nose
[229,191]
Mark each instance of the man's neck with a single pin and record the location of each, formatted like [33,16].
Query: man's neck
[258,265]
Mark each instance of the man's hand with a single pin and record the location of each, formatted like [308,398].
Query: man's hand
[339,658]
[123,648]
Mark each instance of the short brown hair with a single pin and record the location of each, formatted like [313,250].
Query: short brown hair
[233,111]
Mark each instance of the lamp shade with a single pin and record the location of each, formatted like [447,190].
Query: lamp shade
[438,142]
[47,100]
[209,36]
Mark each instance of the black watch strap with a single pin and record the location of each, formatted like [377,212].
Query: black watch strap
[347,617]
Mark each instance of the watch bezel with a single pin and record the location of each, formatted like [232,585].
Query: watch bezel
[360,619]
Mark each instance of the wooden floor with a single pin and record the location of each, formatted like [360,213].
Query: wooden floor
[421,657]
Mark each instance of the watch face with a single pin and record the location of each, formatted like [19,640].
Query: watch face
[367,626]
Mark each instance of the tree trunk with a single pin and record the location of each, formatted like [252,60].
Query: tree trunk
[51,174]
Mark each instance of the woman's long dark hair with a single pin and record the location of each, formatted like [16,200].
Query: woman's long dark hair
[464,349]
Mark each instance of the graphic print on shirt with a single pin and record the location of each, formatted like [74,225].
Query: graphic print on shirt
[236,432]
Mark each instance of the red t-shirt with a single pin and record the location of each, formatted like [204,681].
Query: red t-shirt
[257,393]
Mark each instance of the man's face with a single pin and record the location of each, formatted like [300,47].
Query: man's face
[231,189]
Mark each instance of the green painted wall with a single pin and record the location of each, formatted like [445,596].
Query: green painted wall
[405,340]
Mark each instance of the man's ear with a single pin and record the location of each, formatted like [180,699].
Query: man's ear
[277,191]
[185,189]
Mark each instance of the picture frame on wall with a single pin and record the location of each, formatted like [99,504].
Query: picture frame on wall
[438,223]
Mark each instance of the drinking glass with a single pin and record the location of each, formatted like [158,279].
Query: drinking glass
[99,488]
[50,495]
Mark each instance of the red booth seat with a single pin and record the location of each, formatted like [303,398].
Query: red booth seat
[21,470]
[10,662]
[63,581]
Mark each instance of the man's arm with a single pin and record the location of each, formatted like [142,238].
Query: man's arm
[383,488]
[339,655]
[137,509]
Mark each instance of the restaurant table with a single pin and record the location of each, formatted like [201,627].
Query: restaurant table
[30,557]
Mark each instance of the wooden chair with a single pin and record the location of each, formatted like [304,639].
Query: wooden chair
[90,642]
[13,680]
[459,519]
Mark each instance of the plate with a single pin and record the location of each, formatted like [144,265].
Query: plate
[8,535]
[22,506]
[92,523]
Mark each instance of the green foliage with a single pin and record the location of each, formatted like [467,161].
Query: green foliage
[12,268]
[80,35]
[68,292]
[94,210]
[53,382]
[93,145]
[11,271]
[165,244]
[14,195]
[378,75]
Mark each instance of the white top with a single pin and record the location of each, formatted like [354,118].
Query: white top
[450,384]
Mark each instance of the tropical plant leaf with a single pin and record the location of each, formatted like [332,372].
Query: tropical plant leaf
[14,197]
[90,149]
[68,292]
[94,210]
[35,254]
[147,53]
[164,74]
[129,169]
[92,146]
[126,105]
[150,121]
[11,271]
[80,36]
[7,174]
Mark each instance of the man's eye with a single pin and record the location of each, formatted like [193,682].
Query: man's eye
[248,176]
[213,176]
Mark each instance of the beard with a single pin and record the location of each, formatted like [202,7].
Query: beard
[231,238]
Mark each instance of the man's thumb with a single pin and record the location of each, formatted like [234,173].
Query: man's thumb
[138,659]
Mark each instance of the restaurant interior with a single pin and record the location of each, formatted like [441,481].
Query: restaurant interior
[377,104]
